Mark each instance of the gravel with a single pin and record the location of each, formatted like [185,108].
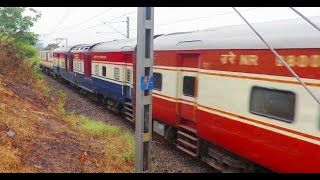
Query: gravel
[165,157]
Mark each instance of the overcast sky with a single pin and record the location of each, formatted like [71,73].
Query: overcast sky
[85,24]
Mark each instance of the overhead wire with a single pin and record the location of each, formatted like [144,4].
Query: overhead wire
[66,14]
[279,57]
[77,25]
[71,34]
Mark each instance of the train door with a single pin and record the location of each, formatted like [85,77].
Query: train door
[71,63]
[128,75]
[87,65]
[187,139]
[66,63]
[188,88]
[56,59]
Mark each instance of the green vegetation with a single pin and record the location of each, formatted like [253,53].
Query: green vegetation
[16,25]
[118,145]
[113,149]
[15,29]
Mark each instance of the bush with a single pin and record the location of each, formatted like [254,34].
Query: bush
[26,50]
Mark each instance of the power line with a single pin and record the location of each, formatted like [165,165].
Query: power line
[94,16]
[185,20]
[113,19]
[73,26]
[278,56]
[103,23]
[305,18]
[206,17]
[61,20]
[115,29]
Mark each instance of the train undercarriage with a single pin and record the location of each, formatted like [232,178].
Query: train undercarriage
[183,137]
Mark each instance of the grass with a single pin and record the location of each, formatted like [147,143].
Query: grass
[10,160]
[118,146]
[13,116]
[114,148]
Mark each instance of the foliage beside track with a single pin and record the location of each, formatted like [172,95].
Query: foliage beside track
[116,145]
[46,138]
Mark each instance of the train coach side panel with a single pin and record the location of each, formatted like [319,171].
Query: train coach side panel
[109,75]
[226,116]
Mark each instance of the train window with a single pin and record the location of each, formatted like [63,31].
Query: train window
[43,55]
[104,71]
[128,75]
[272,103]
[97,70]
[188,85]
[116,73]
[157,81]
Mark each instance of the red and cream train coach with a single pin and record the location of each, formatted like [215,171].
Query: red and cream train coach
[223,88]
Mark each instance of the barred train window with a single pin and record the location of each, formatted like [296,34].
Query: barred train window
[188,85]
[104,71]
[128,75]
[157,81]
[276,104]
[97,70]
[116,73]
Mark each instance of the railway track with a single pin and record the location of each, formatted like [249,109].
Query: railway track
[165,157]
[214,159]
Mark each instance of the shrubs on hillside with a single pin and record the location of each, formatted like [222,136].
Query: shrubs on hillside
[16,59]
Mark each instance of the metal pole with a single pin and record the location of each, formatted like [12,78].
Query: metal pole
[143,89]
[305,18]
[128,26]
[279,57]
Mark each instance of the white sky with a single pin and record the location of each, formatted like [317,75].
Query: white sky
[84,24]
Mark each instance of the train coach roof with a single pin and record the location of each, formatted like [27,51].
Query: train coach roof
[294,33]
[115,46]
[63,49]
[82,48]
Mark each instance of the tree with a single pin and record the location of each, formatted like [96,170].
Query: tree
[52,46]
[16,25]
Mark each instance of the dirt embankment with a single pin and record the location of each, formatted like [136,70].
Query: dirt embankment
[37,135]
